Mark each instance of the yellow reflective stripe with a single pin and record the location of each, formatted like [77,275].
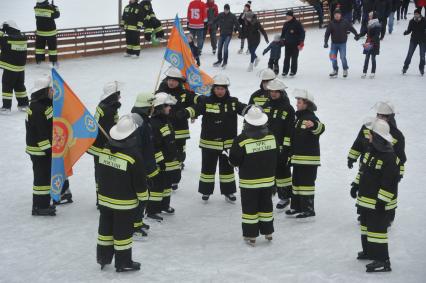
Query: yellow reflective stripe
[363,230]
[116,203]
[153,174]
[385,195]
[10,67]
[143,196]
[379,164]
[391,205]
[21,94]
[366,202]
[155,196]
[167,192]
[366,133]
[250,218]
[156,30]
[356,181]
[205,178]
[46,33]
[159,157]
[174,165]
[53,52]
[39,51]
[265,216]
[319,129]
[227,178]
[257,183]
[121,245]
[248,141]
[181,134]
[191,112]
[217,145]
[130,27]
[380,238]
[105,240]
[137,224]
[140,24]
[304,190]
[354,154]
[287,141]
[165,131]
[41,190]
[305,160]
[94,150]
[43,145]
[134,47]
[119,155]
[260,101]
[7,95]
[282,183]
[149,30]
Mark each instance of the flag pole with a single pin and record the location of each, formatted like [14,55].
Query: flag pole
[103,131]
[159,75]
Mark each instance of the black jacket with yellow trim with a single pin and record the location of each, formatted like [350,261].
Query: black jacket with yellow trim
[122,179]
[361,146]
[259,97]
[132,17]
[107,116]
[184,99]
[151,23]
[46,14]
[13,55]
[305,144]
[164,143]
[281,123]
[39,124]
[378,180]
[255,152]
[219,124]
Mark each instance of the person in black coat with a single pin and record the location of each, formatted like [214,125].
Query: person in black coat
[383,10]
[254,29]
[275,56]
[293,36]
[372,44]
[242,22]
[416,28]
[367,7]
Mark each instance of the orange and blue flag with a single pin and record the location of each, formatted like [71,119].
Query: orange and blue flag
[179,55]
[74,131]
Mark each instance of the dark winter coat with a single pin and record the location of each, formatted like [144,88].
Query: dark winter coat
[293,33]
[378,183]
[383,9]
[243,24]
[395,5]
[368,5]
[346,6]
[254,29]
[281,123]
[13,46]
[256,157]
[339,31]
[305,142]
[39,124]
[132,18]
[275,48]
[163,139]
[122,179]
[373,37]
[184,99]
[226,23]
[46,14]
[417,30]
[219,124]
[259,97]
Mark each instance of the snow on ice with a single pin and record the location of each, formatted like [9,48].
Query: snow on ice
[203,242]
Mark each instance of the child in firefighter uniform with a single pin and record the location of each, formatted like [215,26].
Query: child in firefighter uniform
[386,112]
[46,33]
[39,144]
[255,152]
[153,29]
[107,116]
[305,157]
[218,130]
[173,85]
[132,23]
[377,196]
[13,57]
[281,124]
[165,145]
[261,96]
[122,184]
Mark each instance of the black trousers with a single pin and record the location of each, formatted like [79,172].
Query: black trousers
[181,149]
[157,185]
[209,161]
[41,184]
[283,180]
[14,82]
[273,64]
[290,59]
[404,8]
[115,236]
[171,177]
[303,192]
[52,45]
[257,212]
[384,23]
[133,42]
[213,37]
[374,234]
[367,61]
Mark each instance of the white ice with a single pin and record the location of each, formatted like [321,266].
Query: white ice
[203,242]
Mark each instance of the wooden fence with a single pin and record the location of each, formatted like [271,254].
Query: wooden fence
[98,40]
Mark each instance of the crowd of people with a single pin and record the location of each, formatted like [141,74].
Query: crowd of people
[139,157]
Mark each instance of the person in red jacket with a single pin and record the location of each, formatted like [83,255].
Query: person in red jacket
[212,12]
[421,4]
[197,14]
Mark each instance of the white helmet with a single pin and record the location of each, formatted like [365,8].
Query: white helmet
[276,84]
[174,73]
[381,128]
[163,98]
[41,1]
[110,88]
[11,24]
[221,80]
[144,99]
[124,127]
[304,94]
[255,116]
[267,75]
[385,108]
[42,83]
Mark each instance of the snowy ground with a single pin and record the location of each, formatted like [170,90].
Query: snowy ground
[202,243]
[104,12]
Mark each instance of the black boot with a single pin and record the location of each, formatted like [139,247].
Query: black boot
[103,264]
[306,214]
[133,266]
[282,204]
[155,217]
[363,256]
[379,266]
[168,210]
[291,212]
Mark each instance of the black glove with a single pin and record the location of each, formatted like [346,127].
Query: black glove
[380,206]
[354,190]
[351,163]
[406,32]
[326,45]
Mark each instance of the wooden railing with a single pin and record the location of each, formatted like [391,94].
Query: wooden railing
[98,40]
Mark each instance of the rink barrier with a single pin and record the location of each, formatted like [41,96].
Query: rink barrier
[100,40]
